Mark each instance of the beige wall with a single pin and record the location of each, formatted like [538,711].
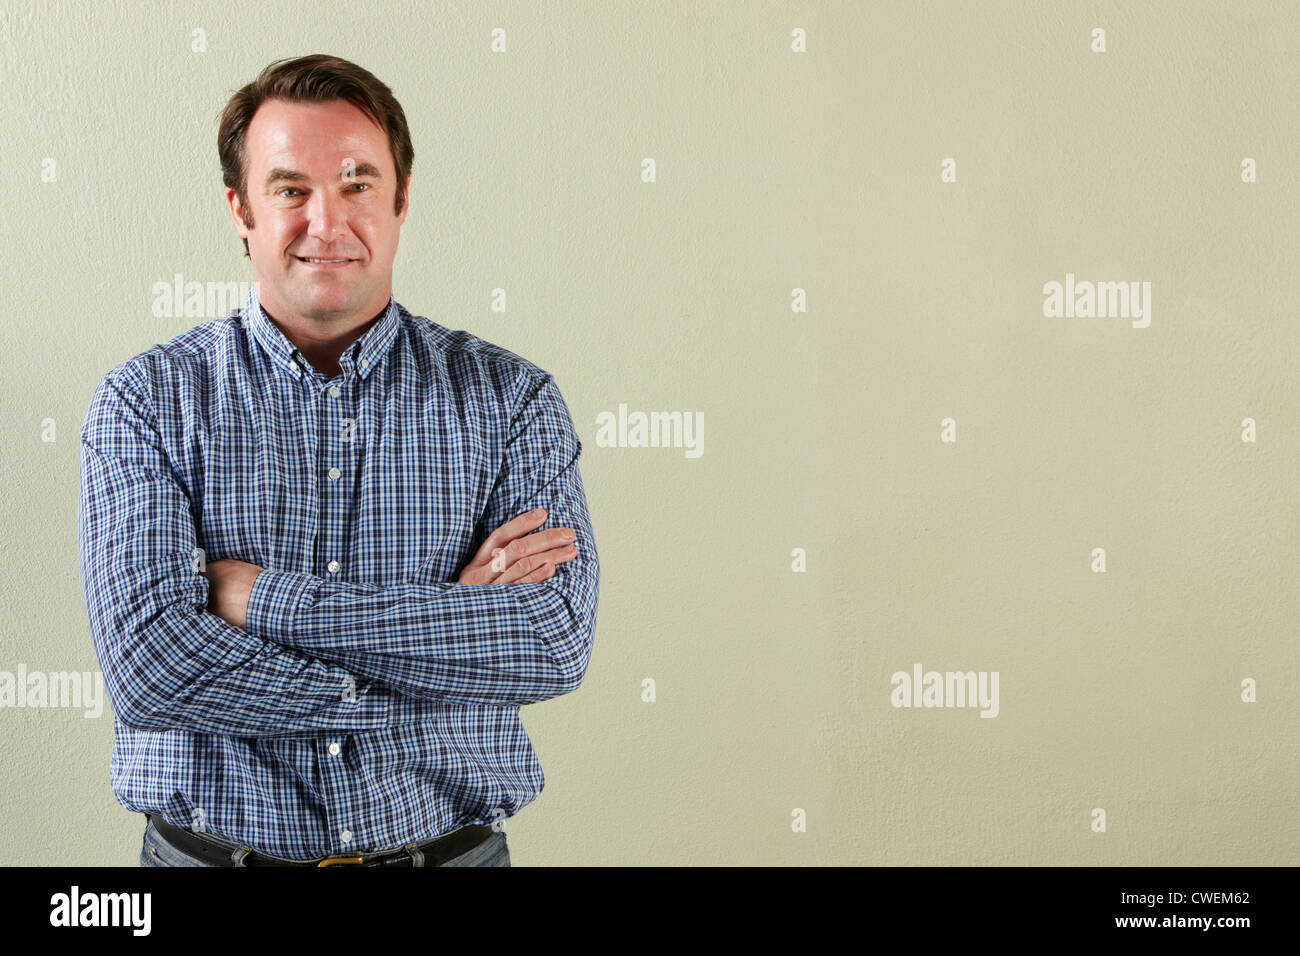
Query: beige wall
[775,170]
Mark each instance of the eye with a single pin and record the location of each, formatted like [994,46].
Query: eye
[365,185]
[289,188]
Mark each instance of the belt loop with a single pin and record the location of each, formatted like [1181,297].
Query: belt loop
[417,856]
[239,854]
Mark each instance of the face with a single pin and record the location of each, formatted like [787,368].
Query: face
[321,185]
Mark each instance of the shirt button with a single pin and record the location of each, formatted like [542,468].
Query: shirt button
[333,567]
[335,750]
[365,363]
[334,474]
[334,391]
[345,836]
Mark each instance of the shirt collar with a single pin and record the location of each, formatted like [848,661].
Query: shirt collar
[362,356]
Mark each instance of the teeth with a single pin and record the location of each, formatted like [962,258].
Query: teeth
[304,259]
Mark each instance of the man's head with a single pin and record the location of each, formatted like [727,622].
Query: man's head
[316,158]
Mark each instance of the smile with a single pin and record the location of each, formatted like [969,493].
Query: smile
[324,262]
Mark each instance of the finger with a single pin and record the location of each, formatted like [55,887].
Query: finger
[529,544]
[505,534]
[475,576]
[523,569]
[496,575]
[531,547]
[538,576]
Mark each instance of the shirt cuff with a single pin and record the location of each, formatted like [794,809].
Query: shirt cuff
[274,600]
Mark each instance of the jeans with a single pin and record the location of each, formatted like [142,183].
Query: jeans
[158,852]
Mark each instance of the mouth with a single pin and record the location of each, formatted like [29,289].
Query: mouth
[324,263]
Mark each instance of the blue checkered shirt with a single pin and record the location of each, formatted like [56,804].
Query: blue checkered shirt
[370,701]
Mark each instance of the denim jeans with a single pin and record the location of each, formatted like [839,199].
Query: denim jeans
[158,852]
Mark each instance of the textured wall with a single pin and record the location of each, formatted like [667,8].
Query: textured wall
[839,257]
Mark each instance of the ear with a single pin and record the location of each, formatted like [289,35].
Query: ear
[236,213]
[406,206]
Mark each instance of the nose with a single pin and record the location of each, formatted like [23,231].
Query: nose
[326,216]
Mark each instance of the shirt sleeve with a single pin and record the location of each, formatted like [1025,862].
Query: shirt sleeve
[167,663]
[506,644]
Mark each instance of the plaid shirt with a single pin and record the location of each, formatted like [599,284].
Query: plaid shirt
[370,701]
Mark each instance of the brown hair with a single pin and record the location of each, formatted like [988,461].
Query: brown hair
[311,79]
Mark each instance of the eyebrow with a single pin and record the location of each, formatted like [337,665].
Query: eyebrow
[280,174]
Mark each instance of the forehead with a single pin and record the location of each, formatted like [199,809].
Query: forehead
[302,135]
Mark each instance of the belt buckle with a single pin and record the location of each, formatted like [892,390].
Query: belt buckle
[341,859]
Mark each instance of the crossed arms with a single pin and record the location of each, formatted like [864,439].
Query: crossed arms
[316,655]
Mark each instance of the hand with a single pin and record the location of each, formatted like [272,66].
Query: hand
[509,556]
[230,582]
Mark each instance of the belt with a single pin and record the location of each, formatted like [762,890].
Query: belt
[218,852]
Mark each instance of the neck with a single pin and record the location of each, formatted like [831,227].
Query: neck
[322,347]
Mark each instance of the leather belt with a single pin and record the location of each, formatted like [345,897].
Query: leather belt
[219,852]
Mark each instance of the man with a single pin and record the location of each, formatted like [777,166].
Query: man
[312,543]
